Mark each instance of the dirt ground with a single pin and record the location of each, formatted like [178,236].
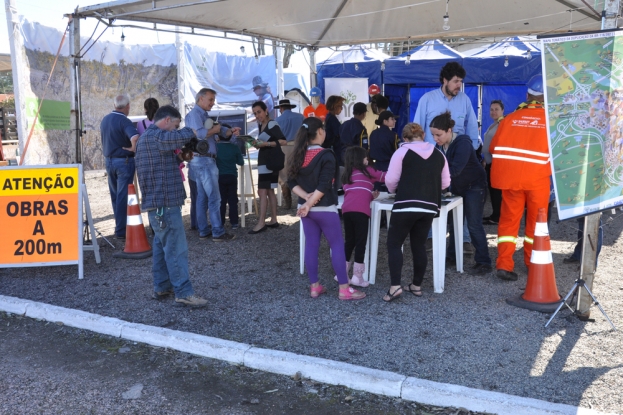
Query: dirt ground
[52,369]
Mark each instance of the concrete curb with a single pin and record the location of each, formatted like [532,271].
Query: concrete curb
[286,363]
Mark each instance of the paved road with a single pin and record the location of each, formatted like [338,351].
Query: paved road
[53,369]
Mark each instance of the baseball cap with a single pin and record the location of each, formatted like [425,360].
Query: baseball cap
[385,115]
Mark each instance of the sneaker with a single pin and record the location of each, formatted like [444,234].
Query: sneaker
[205,236]
[192,301]
[236,226]
[120,237]
[161,295]
[429,245]
[224,237]
[506,275]
[479,269]
[468,249]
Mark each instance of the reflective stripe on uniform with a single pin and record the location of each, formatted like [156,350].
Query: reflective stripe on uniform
[541,257]
[511,239]
[517,150]
[528,160]
[528,239]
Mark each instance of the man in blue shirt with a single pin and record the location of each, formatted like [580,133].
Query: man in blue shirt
[119,138]
[163,197]
[289,122]
[205,169]
[449,98]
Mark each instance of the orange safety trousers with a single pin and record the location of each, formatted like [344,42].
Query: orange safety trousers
[513,204]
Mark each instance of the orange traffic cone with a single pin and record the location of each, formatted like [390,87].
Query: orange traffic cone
[136,244]
[541,292]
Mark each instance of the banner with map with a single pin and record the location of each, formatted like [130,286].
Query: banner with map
[584,100]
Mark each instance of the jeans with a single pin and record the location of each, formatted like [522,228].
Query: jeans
[577,252]
[193,203]
[228,188]
[170,260]
[208,196]
[473,205]
[120,175]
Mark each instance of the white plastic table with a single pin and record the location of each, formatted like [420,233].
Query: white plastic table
[439,228]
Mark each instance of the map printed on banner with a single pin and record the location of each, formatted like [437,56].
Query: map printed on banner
[584,100]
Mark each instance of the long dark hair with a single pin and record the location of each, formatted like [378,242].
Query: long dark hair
[151,106]
[304,135]
[353,160]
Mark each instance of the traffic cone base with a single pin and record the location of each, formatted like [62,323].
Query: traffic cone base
[541,293]
[136,243]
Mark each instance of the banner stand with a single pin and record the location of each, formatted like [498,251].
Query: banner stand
[89,233]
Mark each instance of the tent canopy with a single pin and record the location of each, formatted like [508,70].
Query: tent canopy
[420,65]
[513,60]
[348,22]
[357,62]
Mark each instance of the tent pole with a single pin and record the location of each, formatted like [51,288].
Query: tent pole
[74,52]
[18,66]
[312,67]
[179,52]
[278,49]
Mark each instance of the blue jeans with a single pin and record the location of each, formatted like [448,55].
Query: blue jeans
[473,206]
[577,252]
[170,263]
[120,175]
[208,196]
[193,203]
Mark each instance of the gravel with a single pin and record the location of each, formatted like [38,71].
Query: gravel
[466,336]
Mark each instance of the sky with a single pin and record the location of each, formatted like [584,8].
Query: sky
[50,13]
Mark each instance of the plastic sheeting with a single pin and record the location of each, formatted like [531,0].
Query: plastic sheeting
[487,66]
[423,66]
[355,62]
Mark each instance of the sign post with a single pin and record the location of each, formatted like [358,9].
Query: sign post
[41,216]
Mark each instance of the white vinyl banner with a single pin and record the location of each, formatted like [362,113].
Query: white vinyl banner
[234,78]
[352,89]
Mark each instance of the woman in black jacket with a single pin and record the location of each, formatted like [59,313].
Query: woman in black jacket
[469,181]
[332,126]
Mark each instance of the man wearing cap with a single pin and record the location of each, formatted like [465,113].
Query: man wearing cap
[521,169]
[378,103]
[383,141]
[289,122]
[353,132]
[315,109]
[261,89]
[119,137]
[204,167]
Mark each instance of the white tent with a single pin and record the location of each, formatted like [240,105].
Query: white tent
[343,22]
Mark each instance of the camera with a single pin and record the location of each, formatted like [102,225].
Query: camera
[196,146]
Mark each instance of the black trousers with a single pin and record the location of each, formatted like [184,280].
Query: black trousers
[228,187]
[356,234]
[416,226]
[496,197]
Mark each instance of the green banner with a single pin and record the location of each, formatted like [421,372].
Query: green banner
[584,98]
[54,115]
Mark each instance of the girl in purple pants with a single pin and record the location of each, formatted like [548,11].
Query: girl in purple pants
[312,176]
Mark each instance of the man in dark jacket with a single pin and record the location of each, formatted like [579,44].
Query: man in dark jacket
[353,132]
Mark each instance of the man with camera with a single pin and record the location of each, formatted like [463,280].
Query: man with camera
[163,197]
[204,166]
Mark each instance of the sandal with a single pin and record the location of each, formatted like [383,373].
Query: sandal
[416,292]
[394,295]
[315,292]
[350,293]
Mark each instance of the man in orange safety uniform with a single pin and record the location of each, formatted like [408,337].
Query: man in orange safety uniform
[521,169]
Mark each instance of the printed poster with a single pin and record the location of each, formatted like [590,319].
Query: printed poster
[352,89]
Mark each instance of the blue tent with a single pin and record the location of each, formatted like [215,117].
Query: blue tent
[356,62]
[420,65]
[503,69]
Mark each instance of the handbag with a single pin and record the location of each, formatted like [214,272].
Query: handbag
[276,158]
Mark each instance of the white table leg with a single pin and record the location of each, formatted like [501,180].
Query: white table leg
[366,258]
[242,195]
[375,224]
[301,247]
[439,250]
[457,221]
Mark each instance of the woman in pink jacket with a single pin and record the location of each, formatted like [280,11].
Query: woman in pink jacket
[417,173]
